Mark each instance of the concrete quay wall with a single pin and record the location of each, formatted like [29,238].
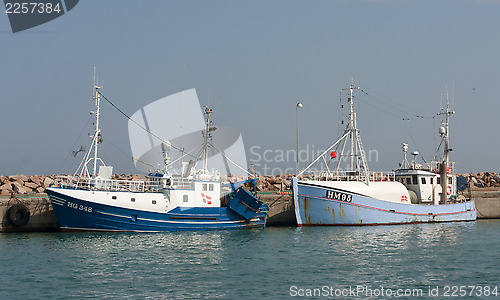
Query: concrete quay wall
[487,203]
[41,214]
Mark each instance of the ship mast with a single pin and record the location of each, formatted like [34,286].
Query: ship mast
[445,135]
[358,165]
[352,126]
[206,136]
[97,98]
[92,153]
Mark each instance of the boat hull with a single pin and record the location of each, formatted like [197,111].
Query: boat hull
[76,213]
[314,207]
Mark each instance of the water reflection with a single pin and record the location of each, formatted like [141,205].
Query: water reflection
[409,255]
[247,263]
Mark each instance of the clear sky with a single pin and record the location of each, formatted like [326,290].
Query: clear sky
[255,60]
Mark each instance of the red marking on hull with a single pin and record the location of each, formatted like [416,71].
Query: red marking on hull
[386,210]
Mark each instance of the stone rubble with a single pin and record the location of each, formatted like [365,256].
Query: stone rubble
[24,184]
[482,179]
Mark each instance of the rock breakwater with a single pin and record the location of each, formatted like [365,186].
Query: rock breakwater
[482,179]
[35,184]
[24,184]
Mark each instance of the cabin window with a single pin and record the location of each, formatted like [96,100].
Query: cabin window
[153,201]
[415,181]
[423,180]
[211,187]
[408,180]
[438,180]
[113,197]
[432,180]
[450,180]
[185,198]
[204,187]
[132,199]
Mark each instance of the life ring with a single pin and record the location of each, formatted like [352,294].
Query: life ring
[448,190]
[18,215]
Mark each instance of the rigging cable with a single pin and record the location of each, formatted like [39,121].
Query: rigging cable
[437,150]
[398,109]
[238,166]
[76,141]
[142,127]
[383,110]
[405,108]
[125,154]
[413,116]
[416,146]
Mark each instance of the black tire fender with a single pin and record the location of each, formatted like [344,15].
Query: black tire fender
[18,215]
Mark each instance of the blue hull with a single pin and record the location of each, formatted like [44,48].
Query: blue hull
[313,208]
[78,214]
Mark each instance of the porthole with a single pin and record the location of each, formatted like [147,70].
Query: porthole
[132,199]
[113,197]
[154,201]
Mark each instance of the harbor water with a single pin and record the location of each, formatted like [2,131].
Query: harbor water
[275,263]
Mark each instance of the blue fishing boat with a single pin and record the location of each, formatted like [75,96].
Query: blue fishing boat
[165,201]
[356,196]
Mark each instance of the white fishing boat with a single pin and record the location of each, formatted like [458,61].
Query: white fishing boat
[356,196]
[189,200]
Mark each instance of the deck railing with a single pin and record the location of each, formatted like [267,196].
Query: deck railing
[349,176]
[116,185]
